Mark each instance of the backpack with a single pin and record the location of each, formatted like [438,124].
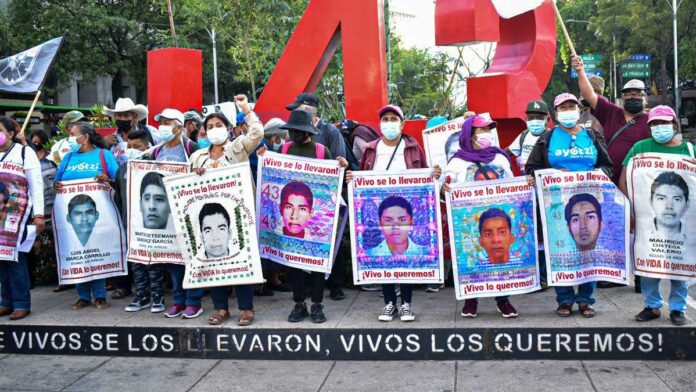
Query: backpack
[319,149]
[348,131]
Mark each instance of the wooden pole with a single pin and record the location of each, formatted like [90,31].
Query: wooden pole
[563,27]
[31,110]
[171,21]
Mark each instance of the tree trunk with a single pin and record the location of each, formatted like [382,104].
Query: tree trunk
[117,85]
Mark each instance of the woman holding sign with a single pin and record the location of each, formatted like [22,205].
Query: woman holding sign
[669,196]
[395,151]
[572,148]
[88,159]
[20,176]
[479,160]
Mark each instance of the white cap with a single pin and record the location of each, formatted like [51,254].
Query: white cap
[171,114]
[634,84]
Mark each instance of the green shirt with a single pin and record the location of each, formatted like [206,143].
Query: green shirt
[650,145]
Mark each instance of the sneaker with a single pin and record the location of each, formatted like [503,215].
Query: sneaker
[371,287]
[506,309]
[648,314]
[317,313]
[139,303]
[406,312]
[432,288]
[174,311]
[299,312]
[677,318]
[388,312]
[157,304]
[192,311]
[337,294]
[469,309]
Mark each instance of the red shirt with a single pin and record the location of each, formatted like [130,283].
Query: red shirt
[612,118]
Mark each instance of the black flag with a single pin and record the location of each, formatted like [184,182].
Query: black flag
[25,72]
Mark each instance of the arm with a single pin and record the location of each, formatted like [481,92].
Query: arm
[111,164]
[32,168]
[61,168]
[584,82]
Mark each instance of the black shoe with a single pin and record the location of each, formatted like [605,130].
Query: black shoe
[317,315]
[337,294]
[607,285]
[299,312]
[648,314]
[676,316]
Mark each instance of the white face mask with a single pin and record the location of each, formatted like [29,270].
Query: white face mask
[218,136]
[390,130]
[568,118]
[166,132]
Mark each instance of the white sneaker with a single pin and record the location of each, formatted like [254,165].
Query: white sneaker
[406,313]
[388,313]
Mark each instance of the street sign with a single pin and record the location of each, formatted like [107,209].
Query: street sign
[636,66]
[591,62]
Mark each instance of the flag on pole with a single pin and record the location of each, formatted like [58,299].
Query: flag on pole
[510,8]
[25,72]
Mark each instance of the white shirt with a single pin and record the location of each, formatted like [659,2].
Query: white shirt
[32,170]
[522,152]
[59,150]
[461,171]
[384,153]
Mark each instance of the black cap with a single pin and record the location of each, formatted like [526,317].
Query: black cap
[301,120]
[537,107]
[304,99]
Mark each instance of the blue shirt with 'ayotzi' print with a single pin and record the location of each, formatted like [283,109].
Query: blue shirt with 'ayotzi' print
[575,153]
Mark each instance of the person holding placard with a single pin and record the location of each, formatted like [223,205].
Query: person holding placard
[15,299]
[479,160]
[88,159]
[224,152]
[669,199]
[395,151]
[570,147]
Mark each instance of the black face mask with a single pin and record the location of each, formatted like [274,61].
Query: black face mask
[298,136]
[633,105]
[123,125]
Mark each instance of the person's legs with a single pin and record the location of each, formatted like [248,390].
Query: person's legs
[5,286]
[406,293]
[317,289]
[193,297]
[220,297]
[502,298]
[585,293]
[99,288]
[678,291]
[542,267]
[389,292]
[651,292]
[84,291]
[245,296]
[19,283]
[297,279]
[177,273]
[155,273]
[565,295]
[141,279]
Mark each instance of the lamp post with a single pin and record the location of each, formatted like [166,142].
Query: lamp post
[213,37]
[677,96]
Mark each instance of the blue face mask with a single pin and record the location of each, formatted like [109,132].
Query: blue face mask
[204,143]
[536,127]
[132,153]
[662,133]
[390,130]
[568,118]
[74,146]
[278,146]
[166,132]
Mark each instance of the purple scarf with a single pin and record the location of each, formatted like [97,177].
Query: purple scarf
[468,153]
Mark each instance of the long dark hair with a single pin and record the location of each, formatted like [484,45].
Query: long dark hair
[10,125]
[95,139]
[217,115]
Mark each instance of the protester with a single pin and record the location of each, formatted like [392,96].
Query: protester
[301,135]
[358,136]
[570,147]
[329,135]
[240,127]
[192,123]
[88,159]
[15,298]
[61,147]
[537,115]
[478,160]
[127,115]
[394,151]
[48,169]
[664,127]
[273,139]
[222,153]
[587,120]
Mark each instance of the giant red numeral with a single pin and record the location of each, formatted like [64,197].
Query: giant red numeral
[523,62]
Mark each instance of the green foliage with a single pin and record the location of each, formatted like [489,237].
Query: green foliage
[100,119]
[189,230]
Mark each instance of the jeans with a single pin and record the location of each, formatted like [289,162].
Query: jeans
[191,297]
[94,288]
[542,266]
[245,297]
[567,295]
[297,279]
[502,298]
[14,284]
[149,280]
[677,293]
[389,292]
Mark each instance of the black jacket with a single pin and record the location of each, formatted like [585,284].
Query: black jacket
[539,157]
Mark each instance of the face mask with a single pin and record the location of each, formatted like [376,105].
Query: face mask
[3,138]
[390,130]
[536,127]
[123,125]
[74,145]
[662,133]
[278,146]
[484,140]
[204,143]
[166,132]
[132,153]
[298,137]
[633,105]
[218,136]
[568,118]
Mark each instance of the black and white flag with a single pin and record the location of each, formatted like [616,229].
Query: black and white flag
[25,72]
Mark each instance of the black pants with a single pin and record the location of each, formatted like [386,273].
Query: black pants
[389,292]
[316,279]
